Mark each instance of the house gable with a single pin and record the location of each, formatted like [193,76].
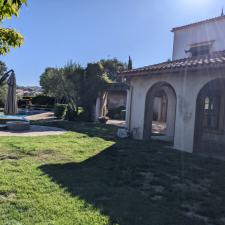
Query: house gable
[203,37]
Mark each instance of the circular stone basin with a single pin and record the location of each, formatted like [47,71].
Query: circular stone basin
[18,125]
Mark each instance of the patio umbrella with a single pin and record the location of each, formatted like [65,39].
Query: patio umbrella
[11,101]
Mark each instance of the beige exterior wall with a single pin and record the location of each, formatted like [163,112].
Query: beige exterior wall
[203,32]
[186,86]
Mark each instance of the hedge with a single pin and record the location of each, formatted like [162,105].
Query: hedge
[60,111]
[43,100]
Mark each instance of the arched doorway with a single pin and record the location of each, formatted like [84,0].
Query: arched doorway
[160,113]
[210,118]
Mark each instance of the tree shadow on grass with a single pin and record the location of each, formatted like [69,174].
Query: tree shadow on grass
[104,131]
[136,183]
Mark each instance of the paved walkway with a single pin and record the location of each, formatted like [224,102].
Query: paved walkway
[34,131]
[117,123]
[157,127]
[41,116]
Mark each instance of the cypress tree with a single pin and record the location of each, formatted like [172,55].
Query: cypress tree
[130,64]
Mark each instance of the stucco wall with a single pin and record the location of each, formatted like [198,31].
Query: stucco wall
[213,31]
[187,87]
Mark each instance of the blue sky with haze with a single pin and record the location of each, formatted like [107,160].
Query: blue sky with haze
[57,31]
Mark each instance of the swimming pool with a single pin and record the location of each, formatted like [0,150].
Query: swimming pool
[22,114]
[14,117]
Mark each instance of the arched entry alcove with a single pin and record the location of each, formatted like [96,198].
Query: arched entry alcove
[210,118]
[160,112]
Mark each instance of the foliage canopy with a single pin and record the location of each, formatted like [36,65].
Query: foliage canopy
[75,85]
[9,37]
[3,88]
[112,66]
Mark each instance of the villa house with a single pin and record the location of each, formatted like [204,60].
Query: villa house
[183,100]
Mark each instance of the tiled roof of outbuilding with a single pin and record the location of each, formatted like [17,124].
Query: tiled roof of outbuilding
[119,86]
[213,60]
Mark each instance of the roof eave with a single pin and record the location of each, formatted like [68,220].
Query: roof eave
[197,23]
[177,70]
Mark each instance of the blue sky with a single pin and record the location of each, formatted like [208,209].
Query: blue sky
[57,31]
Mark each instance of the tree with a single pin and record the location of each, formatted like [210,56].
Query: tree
[3,68]
[3,94]
[72,84]
[76,86]
[112,66]
[3,89]
[94,81]
[51,82]
[64,84]
[130,64]
[9,37]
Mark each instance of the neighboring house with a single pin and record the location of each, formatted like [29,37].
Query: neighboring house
[183,100]
[28,91]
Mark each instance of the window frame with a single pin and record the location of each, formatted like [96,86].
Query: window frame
[194,47]
[200,51]
[220,112]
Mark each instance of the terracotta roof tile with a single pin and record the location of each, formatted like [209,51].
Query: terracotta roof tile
[214,59]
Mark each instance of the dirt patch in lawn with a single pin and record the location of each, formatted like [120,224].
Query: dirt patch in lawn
[46,155]
[9,156]
[7,196]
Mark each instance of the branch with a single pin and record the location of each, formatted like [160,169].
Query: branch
[8,8]
[9,38]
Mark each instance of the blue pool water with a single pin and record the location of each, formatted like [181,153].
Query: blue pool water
[19,117]
[22,114]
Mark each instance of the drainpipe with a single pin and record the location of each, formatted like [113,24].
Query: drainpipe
[130,107]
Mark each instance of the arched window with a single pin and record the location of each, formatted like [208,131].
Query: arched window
[210,117]
[211,113]
[207,101]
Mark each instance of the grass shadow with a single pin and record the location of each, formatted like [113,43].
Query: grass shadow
[140,183]
[107,132]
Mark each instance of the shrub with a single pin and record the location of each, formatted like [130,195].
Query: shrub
[71,114]
[23,103]
[84,116]
[60,111]
[50,107]
[27,98]
[43,100]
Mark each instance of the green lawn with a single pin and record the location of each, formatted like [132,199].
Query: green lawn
[86,176]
